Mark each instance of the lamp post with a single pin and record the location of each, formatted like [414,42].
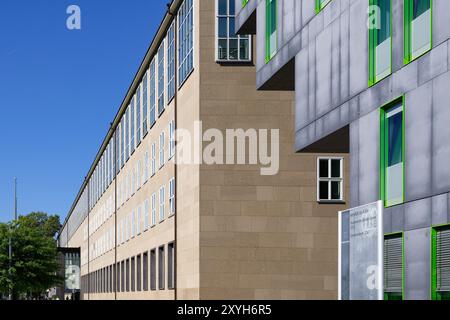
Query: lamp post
[10,238]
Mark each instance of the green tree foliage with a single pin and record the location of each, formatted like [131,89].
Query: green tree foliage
[34,264]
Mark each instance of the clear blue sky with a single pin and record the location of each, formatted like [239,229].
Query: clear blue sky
[60,89]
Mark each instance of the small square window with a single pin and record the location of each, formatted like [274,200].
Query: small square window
[330,180]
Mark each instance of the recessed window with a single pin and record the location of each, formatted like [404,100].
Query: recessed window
[171,62]
[145,104]
[161,101]
[271,29]
[230,46]
[171,139]
[380,41]
[153,269]
[185,41]
[440,263]
[417,28]
[161,268]
[330,179]
[393,267]
[171,265]
[152,93]
[392,154]
[138,115]
[162,141]
[162,200]
[172,196]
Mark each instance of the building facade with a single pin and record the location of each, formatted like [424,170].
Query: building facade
[371,77]
[150,226]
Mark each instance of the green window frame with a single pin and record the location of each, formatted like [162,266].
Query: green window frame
[320,4]
[380,42]
[417,14]
[394,295]
[435,293]
[392,153]
[244,3]
[271,29]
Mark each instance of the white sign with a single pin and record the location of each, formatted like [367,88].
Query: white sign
[361,242]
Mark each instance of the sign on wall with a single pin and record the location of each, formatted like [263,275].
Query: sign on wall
[361,253]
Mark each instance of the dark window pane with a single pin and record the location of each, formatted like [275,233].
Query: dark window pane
[233,49]
[323,168]
[223,7]
[420,6]
[232,32]
[222,50]
[385,24]
[335,168]
[232,8]
[335,190]
[223,27]
[395,139]
[323,190]
[244,49]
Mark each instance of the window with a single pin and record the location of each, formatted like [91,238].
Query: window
[153,209]
[330,179]
[139,175]
[146,166]
[320,4]
[440,263]
[171,266]
[133,275]
[162,200]
[153,269]
[393,267]
[161,102]
[145,271]
[122,273]
[138,273]
[138,115]
[271,29]
[127,134]
[127,228]
[380,42]
[144,104]
[392,154]
[133,223]
[417,28]
[161,268]
[244,3]
[171,62]
[171,139]
[186,40]
[122,142]
[139,219]
[146,215]
[230,46]
[161,149]
[153,159]
[172,196]
[152,94]
[127,275]
[132,123]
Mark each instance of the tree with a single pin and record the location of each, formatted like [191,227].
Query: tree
[34,265]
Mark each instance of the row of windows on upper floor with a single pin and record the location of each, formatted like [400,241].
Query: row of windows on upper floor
[417,32]
[128,183]
[139,220]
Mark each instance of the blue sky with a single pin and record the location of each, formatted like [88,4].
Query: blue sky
[60,89]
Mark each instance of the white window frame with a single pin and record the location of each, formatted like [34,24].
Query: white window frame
[239,37]
[162,142]
[138,220]
[329,179]
[171,139]
[146,215]
[162,199]
[172,208]
[146,166]
[153,209]
[153,158]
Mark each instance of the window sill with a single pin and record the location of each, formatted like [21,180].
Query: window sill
[330,201]
[237,63]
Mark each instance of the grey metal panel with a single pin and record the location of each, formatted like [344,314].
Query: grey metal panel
[308,11]
[441,18]
[260,36]
[405,79]
[335,63]
[439,209]
[418,214]
[358,46]
[354,164]
[398,218]
[397,35]
[369,130]
[417,264]
[287,21]
[344,55]
[433,63]
[303,113]
[323,67]
[387,220]
[441,134]
[418,114]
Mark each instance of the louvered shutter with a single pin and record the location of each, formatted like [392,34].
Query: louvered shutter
[443,261]
[393,263]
